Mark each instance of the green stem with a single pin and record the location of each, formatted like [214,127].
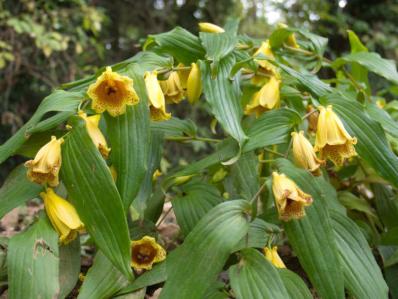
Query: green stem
[193,138]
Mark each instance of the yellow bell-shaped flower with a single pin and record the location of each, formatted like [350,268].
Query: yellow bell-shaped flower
[272,255]
[146,252]
[183,73]
[95,133]
[304,154]
[332,140]
[157,103]
[194,84]
[267,98]
[172,88]
[290,200]
[62,215]
[44,168]
[209,27]
[112,92]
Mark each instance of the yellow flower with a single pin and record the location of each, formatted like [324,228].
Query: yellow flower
[332,139]
[304,154]
[291,39]
[146,252]
[289,198]
[194,84]
[112,92]
[156,174]
[157,103]
[312,118]
[211,28]
[267,98]
[172,88]
[62,215]
[95,133]
[272,255]
[183,73]
[44,168]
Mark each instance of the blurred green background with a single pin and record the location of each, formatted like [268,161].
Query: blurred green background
[46,43]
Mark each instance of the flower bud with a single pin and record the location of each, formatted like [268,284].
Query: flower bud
[304,154]
[211,28]
[272,255]
[194,84]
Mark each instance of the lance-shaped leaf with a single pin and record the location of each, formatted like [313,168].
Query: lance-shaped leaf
[194,266]
[255,277]
[69,266]
[91,189]
[199,198]
[272,127]
[178,43]
[16,190]
[33,263]
[103,280]
[362,275]
[223,95]
[385,119]
[312,237]
[129,139]
[373,62]
[372,144]
[294,285]
[219,45]
[175,127]
[57,101]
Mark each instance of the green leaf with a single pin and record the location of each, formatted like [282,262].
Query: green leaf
[199,198]
[391,274]
[129,140]
[307,81]
[175,127]
[355,43]
[362,275]
[178,43]
[103,280]
[272,127]
[57,101]
[390,237]
[386,205]
[94,194]
[386,121]
[245,174]
[294,285]
[69,266]
[157,275]
[358,72]
[224,97]
[16,190]
[312,237]
[51,122]
[33,262]
[371,61]
[258,234]
[372,145]
[141,201]
[254,277]
[352,202]
[218,45]
[36,141]
[194,266]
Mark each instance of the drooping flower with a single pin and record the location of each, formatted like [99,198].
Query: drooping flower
[267,98]
[304,154]
[95,133]
[183,73]
[332,140]
[157,103]
[290,200]
[146,252]
[272,255]
[209,27]
[172,88]
[112,92]
[62,215]
[194,84]
[44,168]
[312,118]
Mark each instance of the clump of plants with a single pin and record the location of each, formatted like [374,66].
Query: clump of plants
[296,196]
